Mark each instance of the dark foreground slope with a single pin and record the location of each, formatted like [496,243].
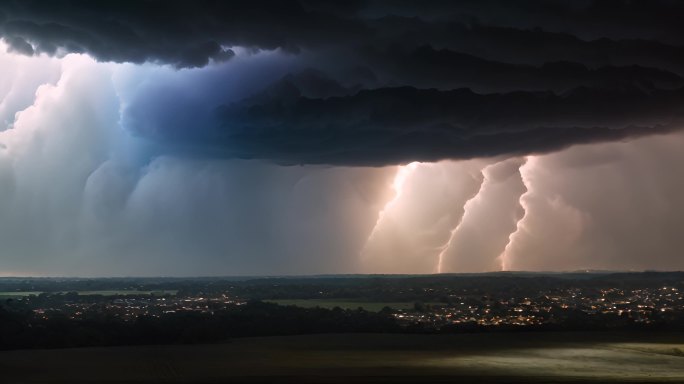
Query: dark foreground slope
[369,358]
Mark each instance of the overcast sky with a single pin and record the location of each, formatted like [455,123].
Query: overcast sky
[306,137]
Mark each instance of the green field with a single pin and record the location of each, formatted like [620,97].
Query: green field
[346,304]
[129,293]
[89,293]
[362,358]
[18,294]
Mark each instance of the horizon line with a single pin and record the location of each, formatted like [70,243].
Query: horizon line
[342,275]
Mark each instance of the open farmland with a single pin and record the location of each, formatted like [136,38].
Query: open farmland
[360,358]
[16,295]
[20,294]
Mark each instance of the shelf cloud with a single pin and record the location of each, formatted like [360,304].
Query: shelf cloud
[383,83]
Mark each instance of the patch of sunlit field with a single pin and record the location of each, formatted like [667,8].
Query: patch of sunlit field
[363,358]
[595,362]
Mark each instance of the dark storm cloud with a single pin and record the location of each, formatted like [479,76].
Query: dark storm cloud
[189,33]
[427,67]
[17,44]
[529,46]
[391,81]
[587,19]
[182,33]
[393,125]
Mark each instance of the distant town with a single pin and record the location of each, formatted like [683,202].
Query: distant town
[548,307]
[553,307]
[211,309]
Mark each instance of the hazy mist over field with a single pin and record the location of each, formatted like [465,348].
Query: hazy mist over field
[233,138]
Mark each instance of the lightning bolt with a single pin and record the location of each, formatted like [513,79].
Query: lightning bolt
[443,249]
[525,171]
[403,173]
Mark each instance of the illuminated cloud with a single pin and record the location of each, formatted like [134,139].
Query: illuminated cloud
[612,206]
[527,177]
[398,184]
[489,219]
[417,222]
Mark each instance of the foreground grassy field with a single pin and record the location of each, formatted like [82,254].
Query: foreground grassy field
[488,358]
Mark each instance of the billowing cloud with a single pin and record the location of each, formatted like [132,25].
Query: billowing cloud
[80,195]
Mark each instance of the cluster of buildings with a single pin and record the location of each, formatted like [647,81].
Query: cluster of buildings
[550,307]
[129,308]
